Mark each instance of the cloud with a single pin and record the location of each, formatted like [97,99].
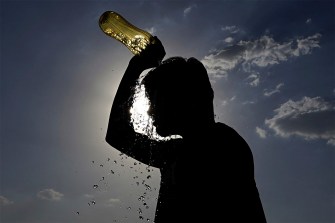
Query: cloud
[260,53]
[248,102]
[230,29]
[189,9]
[225,102]
[268,93]
[261,132]
[254,79]
[50,194]
[310,118]
[229,39]
[308,21]
[5,201]
[219,62]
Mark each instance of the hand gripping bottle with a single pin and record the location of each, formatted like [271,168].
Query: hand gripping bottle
[114,25]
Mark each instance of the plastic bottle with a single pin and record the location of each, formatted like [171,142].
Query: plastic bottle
[114,25]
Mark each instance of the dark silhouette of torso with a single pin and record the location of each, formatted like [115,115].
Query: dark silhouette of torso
[210,180]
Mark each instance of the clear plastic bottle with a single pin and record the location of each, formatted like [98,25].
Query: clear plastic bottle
[114,25]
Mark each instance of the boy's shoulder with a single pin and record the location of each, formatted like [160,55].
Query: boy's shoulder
[228,134]
[221,128]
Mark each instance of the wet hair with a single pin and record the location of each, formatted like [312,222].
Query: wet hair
[185,82]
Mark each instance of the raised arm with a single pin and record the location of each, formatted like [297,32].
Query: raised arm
[120,133]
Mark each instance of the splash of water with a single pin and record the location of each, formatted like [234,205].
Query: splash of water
[141,120]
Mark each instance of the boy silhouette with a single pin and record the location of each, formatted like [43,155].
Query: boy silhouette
[208,174]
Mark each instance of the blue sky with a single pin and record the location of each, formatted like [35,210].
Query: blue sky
[271,64]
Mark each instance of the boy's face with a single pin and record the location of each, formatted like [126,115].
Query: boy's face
[168,113]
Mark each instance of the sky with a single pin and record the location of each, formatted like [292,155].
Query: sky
[272,68]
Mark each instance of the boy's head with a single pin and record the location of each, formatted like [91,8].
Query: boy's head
[180,94]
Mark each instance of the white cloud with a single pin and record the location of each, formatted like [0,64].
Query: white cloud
[5,201]
[268,93]
[310,118]
[230,29]
[261,132]
[248,102]
[50,194]
[260,53]
[254,79]
[227,101]
[308,21]
[189,9]
[331,142]
[218,63]
[229,39]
